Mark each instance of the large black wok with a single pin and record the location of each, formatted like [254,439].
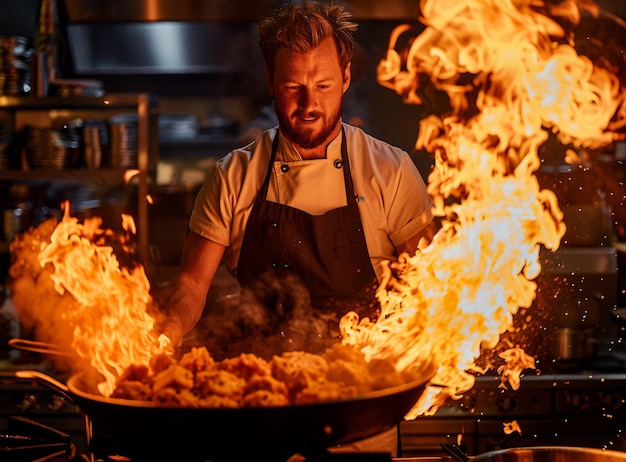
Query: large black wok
[221,434]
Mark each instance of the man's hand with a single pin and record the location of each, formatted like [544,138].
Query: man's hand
[173,329]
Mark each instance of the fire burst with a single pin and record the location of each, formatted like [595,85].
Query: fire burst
[511,78]
[96,309]
[112,326]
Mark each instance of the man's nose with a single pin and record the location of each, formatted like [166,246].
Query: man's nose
[306,99]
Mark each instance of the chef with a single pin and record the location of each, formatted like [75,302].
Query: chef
[312,197]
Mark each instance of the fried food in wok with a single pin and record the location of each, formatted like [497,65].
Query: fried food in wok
[294,377]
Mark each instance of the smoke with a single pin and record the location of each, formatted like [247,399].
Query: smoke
[271,316]
[37,304]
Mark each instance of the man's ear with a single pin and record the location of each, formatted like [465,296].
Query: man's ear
[268,82]
[347,77]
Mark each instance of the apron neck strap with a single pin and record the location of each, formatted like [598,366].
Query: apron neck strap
[347,176]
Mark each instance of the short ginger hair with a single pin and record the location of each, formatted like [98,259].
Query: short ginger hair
[303,26]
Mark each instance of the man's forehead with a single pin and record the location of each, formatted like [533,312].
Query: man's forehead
[288,60]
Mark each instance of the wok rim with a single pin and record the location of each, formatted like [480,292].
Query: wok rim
[74,380]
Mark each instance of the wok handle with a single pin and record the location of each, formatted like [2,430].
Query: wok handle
[40,378]
[38,347]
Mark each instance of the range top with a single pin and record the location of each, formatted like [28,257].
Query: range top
[583,408]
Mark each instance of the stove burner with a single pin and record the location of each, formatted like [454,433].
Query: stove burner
[29,440]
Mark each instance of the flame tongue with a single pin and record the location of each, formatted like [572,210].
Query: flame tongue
[112,326]
[461,291]
[507,87]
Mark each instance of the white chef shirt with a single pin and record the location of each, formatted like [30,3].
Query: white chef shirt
[391,193]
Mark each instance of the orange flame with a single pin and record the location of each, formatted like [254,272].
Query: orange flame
[112,327]
[508,87]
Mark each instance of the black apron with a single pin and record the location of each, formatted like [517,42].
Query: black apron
[327,252]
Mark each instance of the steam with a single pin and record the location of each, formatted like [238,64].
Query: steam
[267,318]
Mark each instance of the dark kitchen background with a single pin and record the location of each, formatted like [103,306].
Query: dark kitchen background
[201,63]
[187,86]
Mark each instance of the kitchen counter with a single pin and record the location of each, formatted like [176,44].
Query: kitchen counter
[572,409]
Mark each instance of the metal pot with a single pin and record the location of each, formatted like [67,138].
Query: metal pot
[575,344]
[218,433]
[551,454]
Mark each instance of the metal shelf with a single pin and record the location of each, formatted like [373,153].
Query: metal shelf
[22,110]
[113,101]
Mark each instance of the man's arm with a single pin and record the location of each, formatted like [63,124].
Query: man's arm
[184,299]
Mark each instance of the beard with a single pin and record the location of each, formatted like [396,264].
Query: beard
[308,138]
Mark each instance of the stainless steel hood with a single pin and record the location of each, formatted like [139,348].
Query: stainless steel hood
[167,10]
[220,10]
[162,47]
[161,37]
[151,37]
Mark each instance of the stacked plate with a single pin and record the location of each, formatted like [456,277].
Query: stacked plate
[123,147]
[6,151]
[47,148]
[14,66]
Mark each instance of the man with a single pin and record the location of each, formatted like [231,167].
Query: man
[313,197]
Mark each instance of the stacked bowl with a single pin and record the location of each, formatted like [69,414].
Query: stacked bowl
[47,148]
[123,133]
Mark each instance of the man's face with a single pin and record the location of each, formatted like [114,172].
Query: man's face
[307,90]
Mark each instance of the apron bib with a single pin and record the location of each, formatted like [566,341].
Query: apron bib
[327,252]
